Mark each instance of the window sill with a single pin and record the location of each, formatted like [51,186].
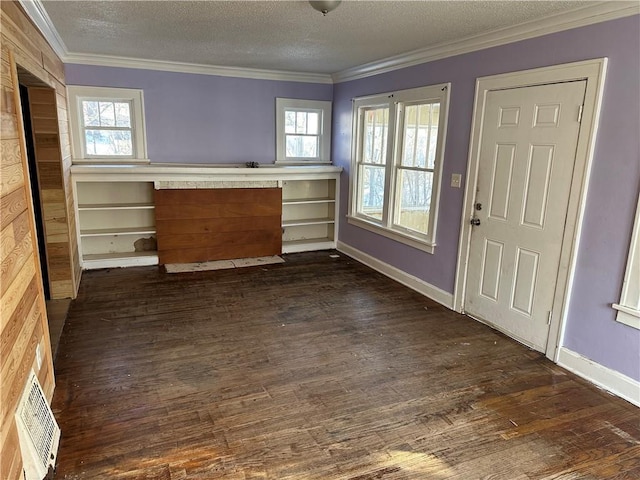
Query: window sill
[303,162]
[627,315]
[111,161]
[392,234]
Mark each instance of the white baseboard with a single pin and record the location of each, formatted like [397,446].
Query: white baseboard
[414,283]
[604,377]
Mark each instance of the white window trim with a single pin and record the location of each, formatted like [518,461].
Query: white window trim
[386,227]
[629,306]
[76,94]
[324,154]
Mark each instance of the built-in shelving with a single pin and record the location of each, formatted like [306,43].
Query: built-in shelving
[116,223]
[308,214]
[102,232]
[116,215]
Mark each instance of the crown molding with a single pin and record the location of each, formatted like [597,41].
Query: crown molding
[182,67]
[599,12]
[38,15]
[591,14]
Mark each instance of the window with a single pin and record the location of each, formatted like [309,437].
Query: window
[303,131]
[397,157]
[107,124]
[629,306]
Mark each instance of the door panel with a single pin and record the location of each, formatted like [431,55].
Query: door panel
[501,181]
[527,155]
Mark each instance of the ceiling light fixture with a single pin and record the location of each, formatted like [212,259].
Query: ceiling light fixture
[324,6]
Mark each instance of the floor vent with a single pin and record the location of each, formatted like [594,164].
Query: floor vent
[38,431]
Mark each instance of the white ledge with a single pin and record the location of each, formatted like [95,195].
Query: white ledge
[200,172]
[627,315]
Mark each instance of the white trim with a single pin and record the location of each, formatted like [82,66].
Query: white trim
[173,172]
[594,72]
[323,107]
[183,67]
[120,262]
[431,291]
[392,234]
[396,102]
[38,15]
[604,377]
[76,94]
[629,306]
[628,316]
[600,12]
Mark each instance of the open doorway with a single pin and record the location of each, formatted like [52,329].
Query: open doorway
[35,188]
[38,105]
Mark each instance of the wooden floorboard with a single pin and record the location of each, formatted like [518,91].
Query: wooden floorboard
[318,368]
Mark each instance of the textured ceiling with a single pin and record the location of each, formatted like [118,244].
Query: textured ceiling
[281,35]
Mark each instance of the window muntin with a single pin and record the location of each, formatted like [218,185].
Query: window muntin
[415,172]
[372,162]
[107,124]
[107,128]
[398,151]
[303,131]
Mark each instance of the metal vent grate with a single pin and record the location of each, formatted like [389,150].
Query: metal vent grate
[38,431]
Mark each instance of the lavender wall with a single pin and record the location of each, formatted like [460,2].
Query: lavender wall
[203,118]
[613,191]
[208,119]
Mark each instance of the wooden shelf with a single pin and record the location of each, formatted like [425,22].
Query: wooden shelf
[307,221]
[307,245]
[102,232]
[305,201]
[119,259]
[117,206]
[106,256]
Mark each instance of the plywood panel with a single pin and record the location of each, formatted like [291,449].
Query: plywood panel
[10,461]
[16,321]
[12,205]
[209,225]
[217,224]
[21,360]
[51,177]
[11,178]
[14,261]
[10,151]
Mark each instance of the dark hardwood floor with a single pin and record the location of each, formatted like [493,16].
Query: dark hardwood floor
[318,368]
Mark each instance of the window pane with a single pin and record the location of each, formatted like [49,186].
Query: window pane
[372,191]
[90,114]
[301,122]
[289,121]
[420,135]
[107,114]
[414,194]
[374,143]
[312,123]
[301,146]
[123,115]
[108,142]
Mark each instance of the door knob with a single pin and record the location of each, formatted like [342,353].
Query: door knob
[475,222]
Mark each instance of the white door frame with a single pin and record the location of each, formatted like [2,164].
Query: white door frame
[593,71]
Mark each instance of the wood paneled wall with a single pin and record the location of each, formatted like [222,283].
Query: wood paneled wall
[218,224]
[23,320]
[57,208]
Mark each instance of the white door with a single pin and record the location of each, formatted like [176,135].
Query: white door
[527,154]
